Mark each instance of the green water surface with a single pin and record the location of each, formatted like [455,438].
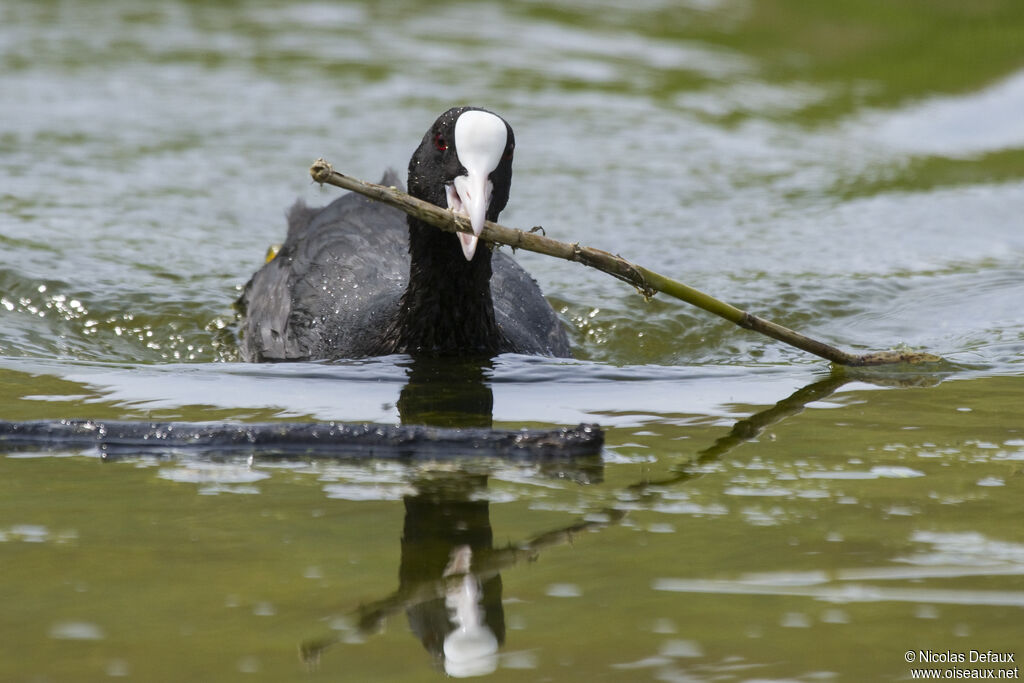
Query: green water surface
[853,169]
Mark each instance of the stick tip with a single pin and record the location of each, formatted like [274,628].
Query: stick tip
[321,170]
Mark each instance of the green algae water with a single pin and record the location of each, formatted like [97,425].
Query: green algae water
[853,170]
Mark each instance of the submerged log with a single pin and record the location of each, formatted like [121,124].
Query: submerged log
[320,440]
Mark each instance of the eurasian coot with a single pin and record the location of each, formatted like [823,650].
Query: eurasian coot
[357,278]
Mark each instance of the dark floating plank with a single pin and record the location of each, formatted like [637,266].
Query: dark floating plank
[321,440]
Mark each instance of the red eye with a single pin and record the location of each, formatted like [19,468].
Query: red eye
[440,142]
[508,152]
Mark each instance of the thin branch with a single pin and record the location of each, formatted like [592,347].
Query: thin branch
[646,281]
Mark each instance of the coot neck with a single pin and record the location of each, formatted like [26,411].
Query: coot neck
[447,307]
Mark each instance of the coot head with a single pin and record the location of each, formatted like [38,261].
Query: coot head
[464,163]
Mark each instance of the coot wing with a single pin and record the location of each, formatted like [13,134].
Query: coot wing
[332,287]
[525,318]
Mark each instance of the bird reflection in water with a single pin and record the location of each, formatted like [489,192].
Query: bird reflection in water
[444,535]
[445,527]
[450,585]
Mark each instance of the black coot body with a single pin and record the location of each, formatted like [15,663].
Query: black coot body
[357,278]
